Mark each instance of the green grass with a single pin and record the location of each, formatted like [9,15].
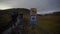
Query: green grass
[45,24]
[48,23]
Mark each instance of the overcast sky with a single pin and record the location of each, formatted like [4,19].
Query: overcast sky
[43,6]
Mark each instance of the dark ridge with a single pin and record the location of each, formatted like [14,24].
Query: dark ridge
[51,14]
[24,10]
[8,12]
[39,14]
[17,9]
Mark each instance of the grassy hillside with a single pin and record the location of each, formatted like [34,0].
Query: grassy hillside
[50,23]
[46,24]
[5,17]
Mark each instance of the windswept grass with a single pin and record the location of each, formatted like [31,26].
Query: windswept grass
[45,24]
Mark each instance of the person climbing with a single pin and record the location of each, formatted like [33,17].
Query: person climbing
[14,17]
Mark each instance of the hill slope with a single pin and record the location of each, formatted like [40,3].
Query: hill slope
[46,24]
[50,22]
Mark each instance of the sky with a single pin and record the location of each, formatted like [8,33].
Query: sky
[42,6]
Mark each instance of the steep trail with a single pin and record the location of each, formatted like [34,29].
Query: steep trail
[8,31]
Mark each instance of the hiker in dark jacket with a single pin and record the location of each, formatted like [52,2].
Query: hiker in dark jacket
[14,16]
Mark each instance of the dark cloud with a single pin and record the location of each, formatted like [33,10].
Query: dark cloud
[3,0]
[42,5]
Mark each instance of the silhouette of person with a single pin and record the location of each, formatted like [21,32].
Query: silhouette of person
[14,16]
